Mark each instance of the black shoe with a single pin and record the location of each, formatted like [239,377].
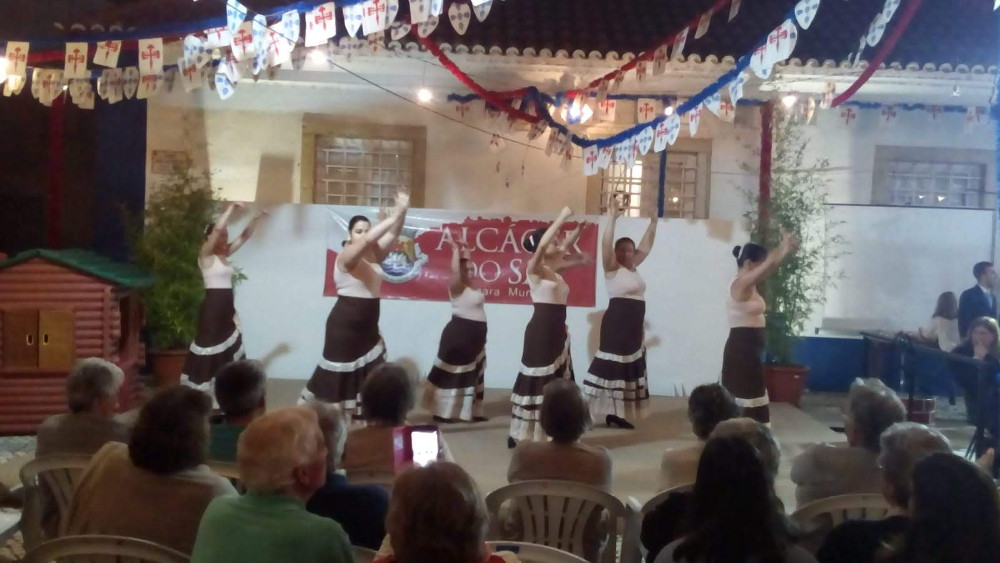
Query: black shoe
[479,419]
[511,443]
[443,420]
[612,420]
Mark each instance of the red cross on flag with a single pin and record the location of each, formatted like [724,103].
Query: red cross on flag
[321,24]
[17,58]
[646,109]
[243,45]
[106,53]
[151,56]
[76,61]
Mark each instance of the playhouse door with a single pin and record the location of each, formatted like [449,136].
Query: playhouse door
[20,339]
[55,339]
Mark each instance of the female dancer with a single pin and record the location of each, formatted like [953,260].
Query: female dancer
[545,355]
[456,384]
[354,346]
[742,367]
[616,383]
[218,340]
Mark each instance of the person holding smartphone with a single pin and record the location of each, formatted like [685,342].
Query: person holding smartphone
[456,383]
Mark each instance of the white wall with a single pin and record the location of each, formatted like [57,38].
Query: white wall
[900,259]
[283,311]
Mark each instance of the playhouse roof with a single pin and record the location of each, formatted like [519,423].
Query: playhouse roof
[943,32]
[118,273]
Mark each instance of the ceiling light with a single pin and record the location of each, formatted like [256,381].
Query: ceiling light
[424,95]
[789,100]
[317,56]
[65,87]
[669,110]
[675,199]
[956,91]
[576,113]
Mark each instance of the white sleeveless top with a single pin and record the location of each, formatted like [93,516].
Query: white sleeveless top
[749,313]
[625,283]
[218,275]
[364,281]
[469,305]
[549,291]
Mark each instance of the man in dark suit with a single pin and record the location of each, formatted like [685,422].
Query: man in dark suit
[978,300]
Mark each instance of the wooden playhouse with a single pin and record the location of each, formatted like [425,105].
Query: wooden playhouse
[57,306]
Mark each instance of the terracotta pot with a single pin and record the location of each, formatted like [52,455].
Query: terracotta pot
[785,384]
[167,367]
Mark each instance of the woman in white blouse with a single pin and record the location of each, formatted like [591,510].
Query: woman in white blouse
[943,327]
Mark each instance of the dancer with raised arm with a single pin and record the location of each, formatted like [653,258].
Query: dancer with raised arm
[616,384]
[742,364]
[456,383]
[354,346]
[218,340]
[546,354]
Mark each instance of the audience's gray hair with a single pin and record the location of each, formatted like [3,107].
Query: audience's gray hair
[904,444]
[273,445]
[91,380]
[334,428]
[873,407]
[759,436]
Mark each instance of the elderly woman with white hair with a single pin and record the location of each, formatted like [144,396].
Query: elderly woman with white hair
[827,470]
[92,397]
[904,444]
[282,458]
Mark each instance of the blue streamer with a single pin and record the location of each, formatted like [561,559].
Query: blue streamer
[661,196]
[163,30]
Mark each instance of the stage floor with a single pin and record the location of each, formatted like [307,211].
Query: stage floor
[482,448]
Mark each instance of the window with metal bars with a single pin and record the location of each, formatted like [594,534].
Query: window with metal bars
[640,183]
[355,171]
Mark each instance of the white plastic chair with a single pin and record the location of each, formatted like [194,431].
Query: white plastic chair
[230,471]
[363,554]
[555,514]
[833,511]
[47,480]
[133,549]
[635,513]
[535,553]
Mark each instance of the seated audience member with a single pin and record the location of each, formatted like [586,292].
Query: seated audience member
[387,396]
[240,388]
[668,521]
[904,444]
[92,397]
[826,470]
[954,514]
[982,343]
[360,509]
[437,515]
[708,405]
[282,457]
[156,487]
[942,330]
[564,418]
[734,515]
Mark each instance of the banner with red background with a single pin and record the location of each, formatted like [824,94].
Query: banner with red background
[420,264]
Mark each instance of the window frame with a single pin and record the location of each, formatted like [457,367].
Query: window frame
[881,191]
[315,126]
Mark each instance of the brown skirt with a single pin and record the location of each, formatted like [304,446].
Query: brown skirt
[616,383]
[353,349]
[456,382]
[217,342]
[545,357]
[743,371]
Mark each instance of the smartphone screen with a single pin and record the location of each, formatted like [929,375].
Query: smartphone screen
[425,447]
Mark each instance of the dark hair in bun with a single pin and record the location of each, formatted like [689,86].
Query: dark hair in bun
[531,242]
[750,251]
[209,228]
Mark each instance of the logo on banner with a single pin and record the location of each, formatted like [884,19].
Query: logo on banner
[418,265]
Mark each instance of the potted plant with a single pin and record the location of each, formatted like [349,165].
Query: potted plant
[798,206]
[166,243]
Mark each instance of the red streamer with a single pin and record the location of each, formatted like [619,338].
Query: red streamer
[648,54]
[883,52]
[494,99]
